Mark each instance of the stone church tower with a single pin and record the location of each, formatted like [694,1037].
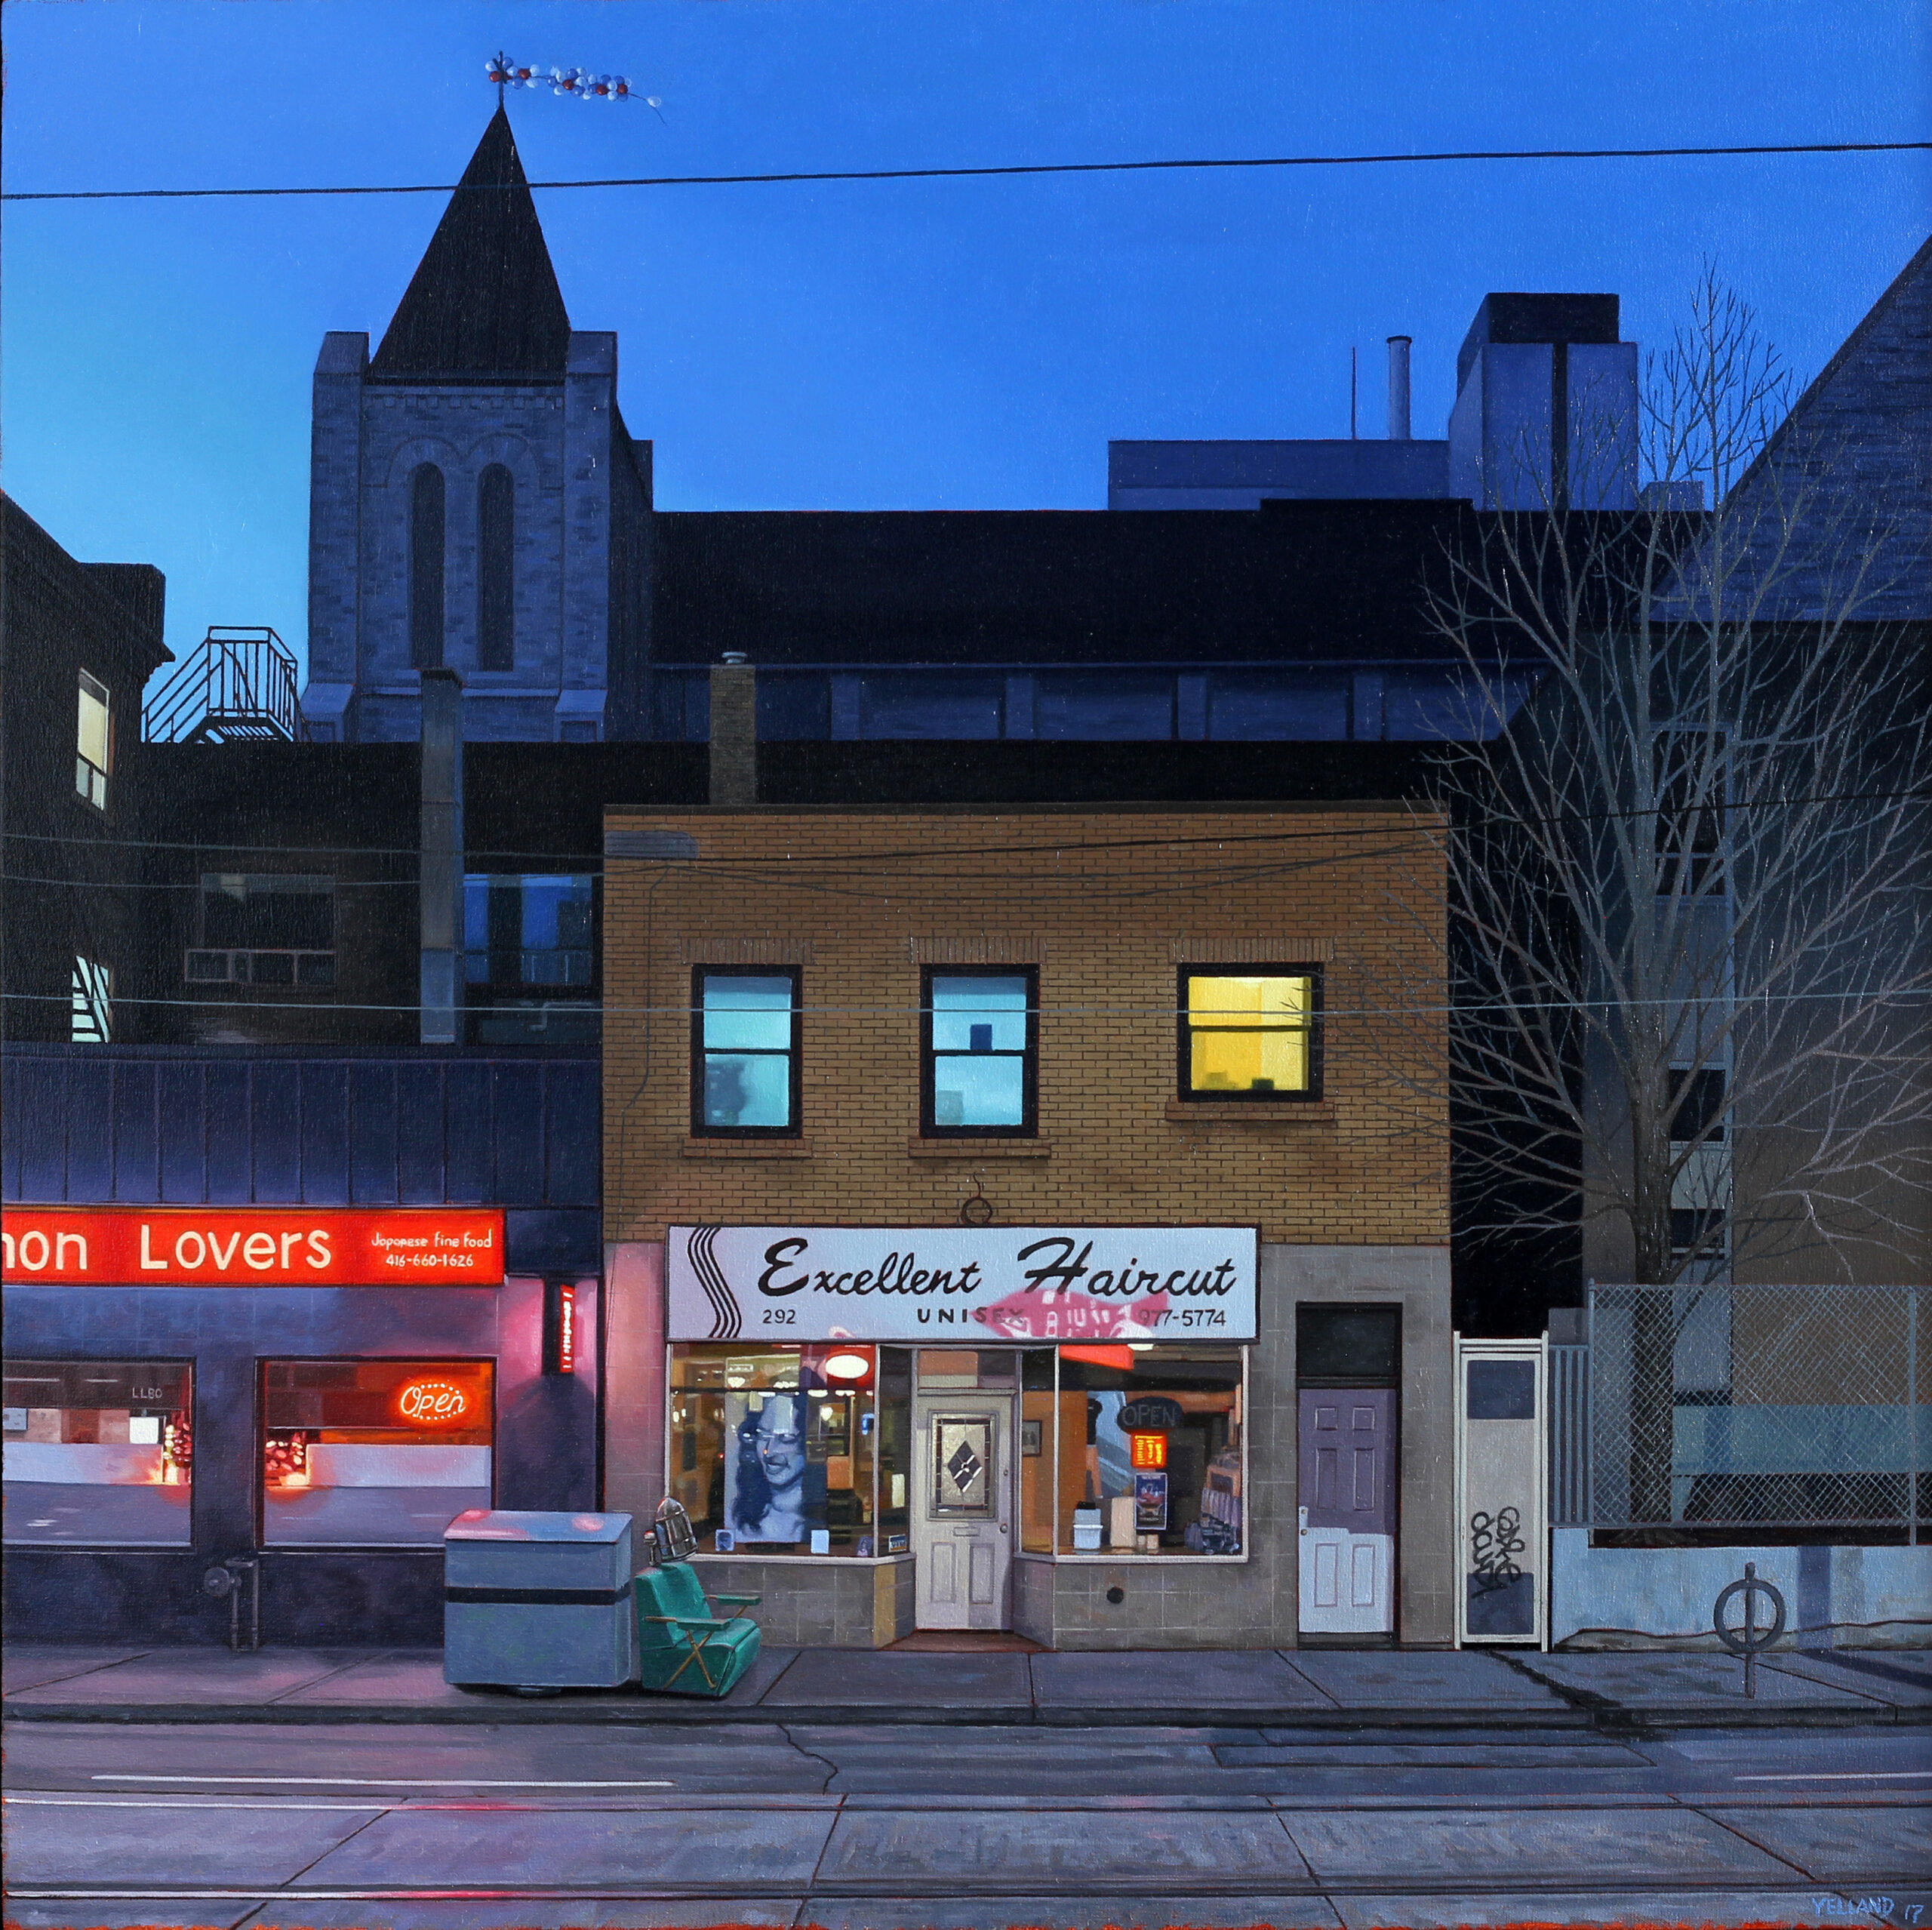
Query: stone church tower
[475,501]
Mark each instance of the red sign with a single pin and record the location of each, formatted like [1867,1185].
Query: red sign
[432,1403]
[260,1246]
[1148,1450]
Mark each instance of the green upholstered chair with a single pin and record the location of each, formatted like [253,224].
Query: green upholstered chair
[686,1649]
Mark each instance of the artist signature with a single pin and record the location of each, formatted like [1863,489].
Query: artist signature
[1889,1908]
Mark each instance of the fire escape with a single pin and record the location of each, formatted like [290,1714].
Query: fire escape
[238,686]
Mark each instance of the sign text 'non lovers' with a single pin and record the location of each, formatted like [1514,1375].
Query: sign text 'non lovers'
[256,1246]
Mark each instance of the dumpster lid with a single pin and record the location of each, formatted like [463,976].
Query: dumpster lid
[527,1525]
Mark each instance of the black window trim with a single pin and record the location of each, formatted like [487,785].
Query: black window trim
[1184,1034]
[1029,1056]
[699,1129]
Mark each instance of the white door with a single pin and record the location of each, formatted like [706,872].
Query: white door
[962,1511]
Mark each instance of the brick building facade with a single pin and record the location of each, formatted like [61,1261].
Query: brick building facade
[864,924]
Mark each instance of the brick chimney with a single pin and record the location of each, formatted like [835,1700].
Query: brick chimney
[734,730]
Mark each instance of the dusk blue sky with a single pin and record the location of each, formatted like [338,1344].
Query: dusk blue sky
[906,345]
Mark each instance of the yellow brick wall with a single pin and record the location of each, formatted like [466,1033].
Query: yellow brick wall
[1104,899]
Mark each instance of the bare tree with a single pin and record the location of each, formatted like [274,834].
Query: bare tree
[1690,880]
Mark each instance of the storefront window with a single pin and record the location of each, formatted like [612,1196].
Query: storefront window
[791,1450]
[373,1453]
[1149,1441]
[1039,1429]
[895,1451]
[99,1452]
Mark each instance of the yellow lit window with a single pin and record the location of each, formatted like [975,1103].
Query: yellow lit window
[90,762]
[1248,1036]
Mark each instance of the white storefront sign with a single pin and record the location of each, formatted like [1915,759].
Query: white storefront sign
[962,1283]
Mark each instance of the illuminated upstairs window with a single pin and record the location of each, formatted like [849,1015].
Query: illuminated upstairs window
[95,741]
[1251,1035]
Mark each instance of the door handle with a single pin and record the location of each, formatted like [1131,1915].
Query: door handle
[1002,1528]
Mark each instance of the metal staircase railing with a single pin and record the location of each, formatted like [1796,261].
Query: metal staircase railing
[238,686]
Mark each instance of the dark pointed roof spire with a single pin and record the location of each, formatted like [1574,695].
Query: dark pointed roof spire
[483,299]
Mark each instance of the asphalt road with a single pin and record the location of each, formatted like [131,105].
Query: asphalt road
[113,1824]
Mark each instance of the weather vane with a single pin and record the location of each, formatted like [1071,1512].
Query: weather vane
[579,82]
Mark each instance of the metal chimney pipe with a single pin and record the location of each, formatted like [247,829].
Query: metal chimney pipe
[734,730]
[439,874]
[1398,388]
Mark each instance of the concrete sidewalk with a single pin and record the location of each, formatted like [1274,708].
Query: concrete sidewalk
[1319,1688]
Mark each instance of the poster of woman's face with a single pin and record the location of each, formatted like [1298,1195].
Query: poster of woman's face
[764,1468]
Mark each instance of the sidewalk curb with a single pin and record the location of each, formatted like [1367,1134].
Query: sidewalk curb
[1612,1718]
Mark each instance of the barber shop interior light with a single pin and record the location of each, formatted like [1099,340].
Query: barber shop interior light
[846,1367]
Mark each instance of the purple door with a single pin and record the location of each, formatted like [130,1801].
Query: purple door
[1347,1515]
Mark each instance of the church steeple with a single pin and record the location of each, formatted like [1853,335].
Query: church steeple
[484,299]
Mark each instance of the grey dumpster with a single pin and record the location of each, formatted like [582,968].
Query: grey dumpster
[538,1601]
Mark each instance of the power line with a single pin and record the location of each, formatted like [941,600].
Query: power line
[591,1007]
[1038,167]
[1403,824]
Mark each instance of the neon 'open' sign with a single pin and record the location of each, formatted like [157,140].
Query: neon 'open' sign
[432,1403]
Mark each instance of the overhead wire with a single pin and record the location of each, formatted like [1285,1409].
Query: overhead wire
[594,1007]
[1395,808]
[997,171]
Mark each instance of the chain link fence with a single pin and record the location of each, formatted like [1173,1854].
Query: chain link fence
[1708,1406]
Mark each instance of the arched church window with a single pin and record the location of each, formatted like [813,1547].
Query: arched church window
[496,577]
[426,567]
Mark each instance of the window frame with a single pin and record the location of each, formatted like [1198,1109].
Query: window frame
[311,967]
[191,1365]
[496,569]
[1028,1055]
[426,554]
[87,686]
[263,1362]
[700,1128]
[92,989]
[1186,1090]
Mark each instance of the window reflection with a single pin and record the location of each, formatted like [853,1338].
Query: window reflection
[99,1451]
[780,1451]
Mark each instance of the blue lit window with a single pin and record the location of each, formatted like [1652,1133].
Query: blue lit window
[745,1053]
[524,933]
[979,1069]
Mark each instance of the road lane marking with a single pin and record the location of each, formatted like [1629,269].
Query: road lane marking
[181,1802]
[1843,1776]
[392,1782]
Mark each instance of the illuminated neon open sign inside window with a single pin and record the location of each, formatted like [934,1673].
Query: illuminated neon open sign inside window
[432,1403]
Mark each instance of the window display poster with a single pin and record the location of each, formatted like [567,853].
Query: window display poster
[1150,1503]
[765,1468]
